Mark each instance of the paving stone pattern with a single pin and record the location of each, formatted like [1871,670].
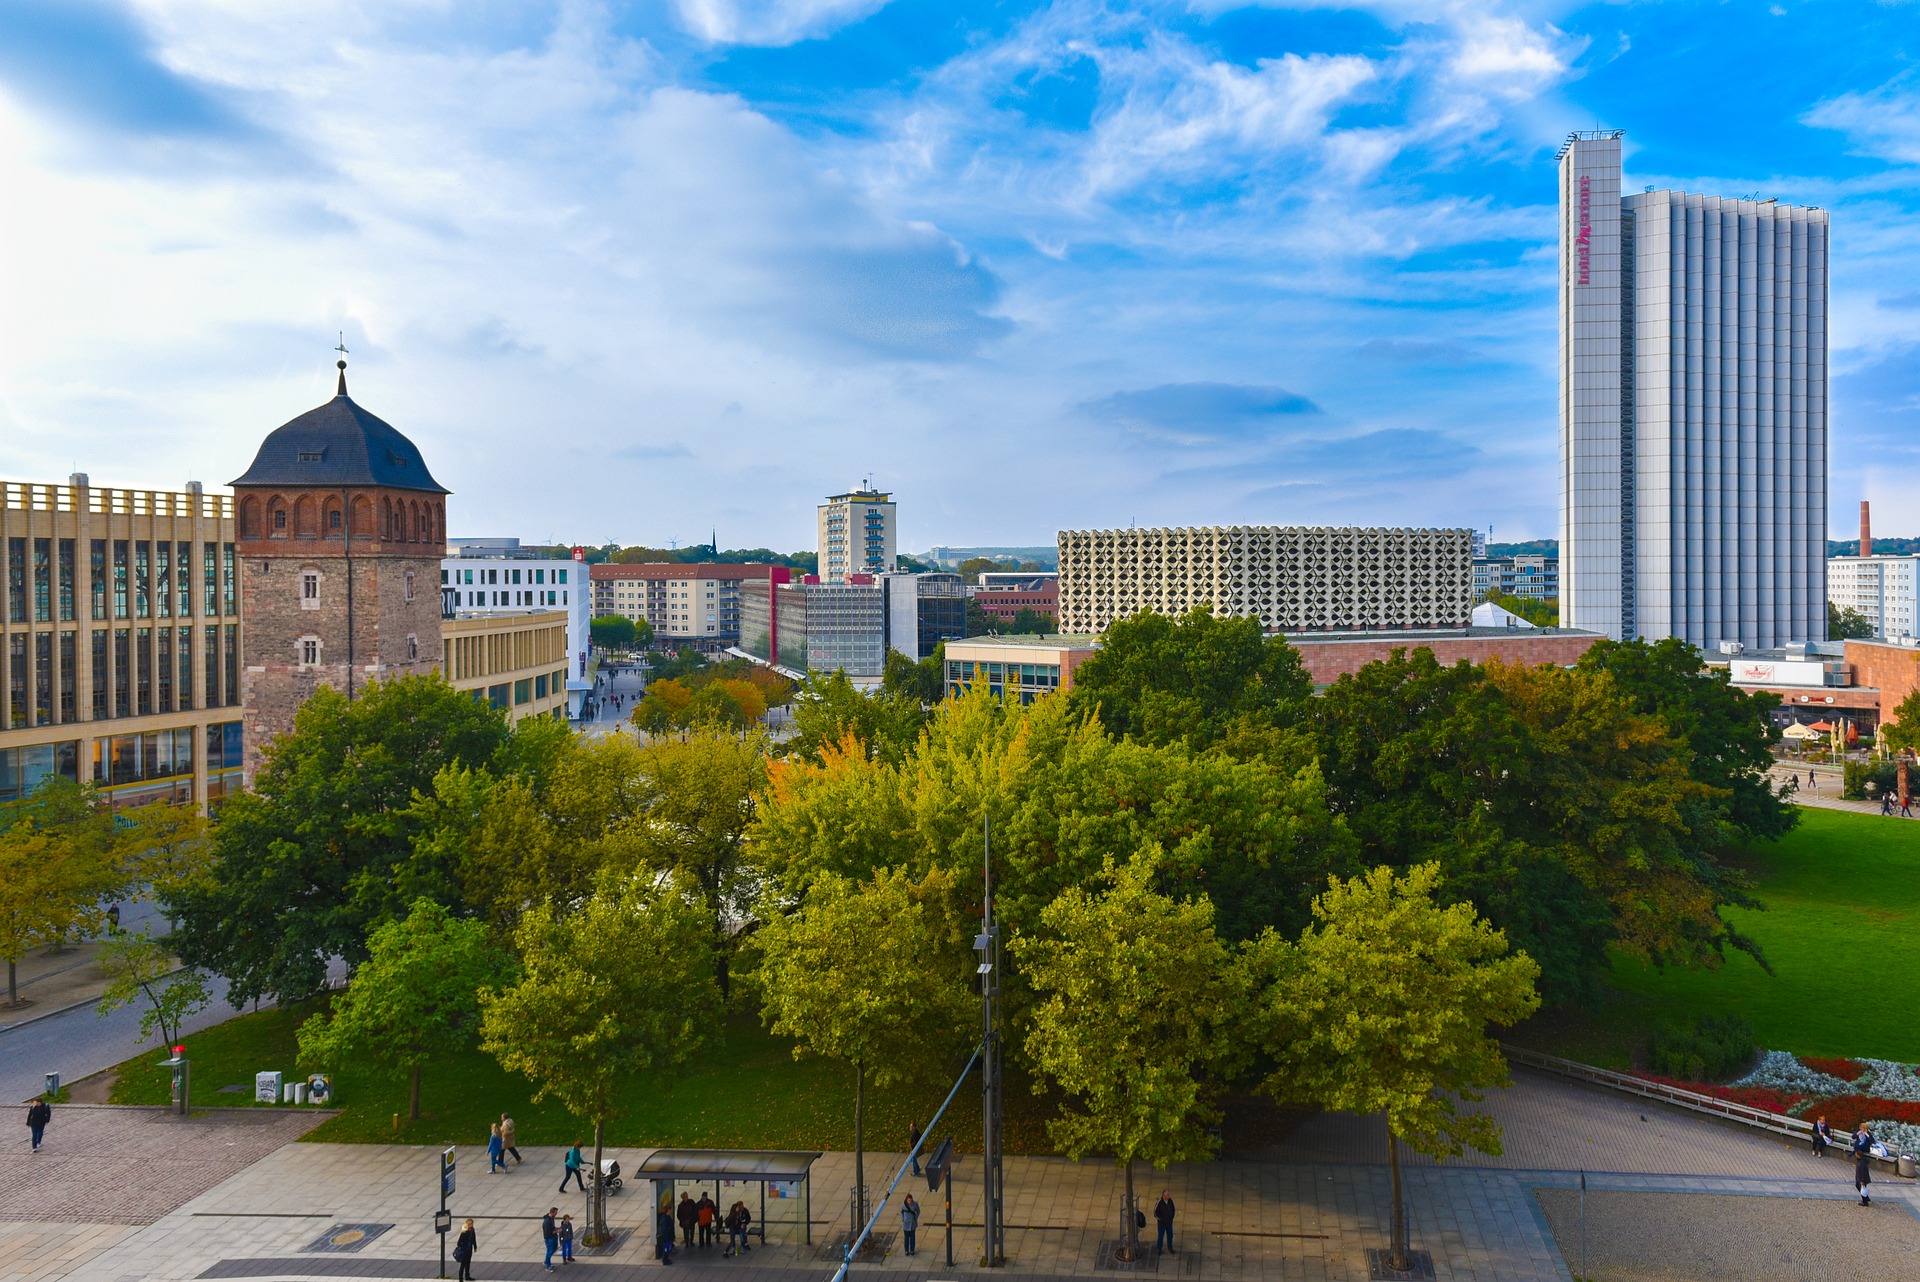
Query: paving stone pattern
[106,1165]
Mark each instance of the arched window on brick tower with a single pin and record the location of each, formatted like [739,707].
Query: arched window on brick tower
[362,517]
[306,524]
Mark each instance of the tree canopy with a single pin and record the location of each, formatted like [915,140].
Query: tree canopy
[303,866]
[616,632]
[1196,679]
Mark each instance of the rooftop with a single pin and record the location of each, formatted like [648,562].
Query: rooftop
[340,444]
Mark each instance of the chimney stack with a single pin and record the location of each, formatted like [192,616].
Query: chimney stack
[1866,531]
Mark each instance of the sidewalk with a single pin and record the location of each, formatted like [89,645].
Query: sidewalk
[1310,1208]
[50,982]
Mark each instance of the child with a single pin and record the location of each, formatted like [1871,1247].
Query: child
[566,1239]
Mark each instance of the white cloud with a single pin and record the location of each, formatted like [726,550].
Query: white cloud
[1883,122]
[770,22]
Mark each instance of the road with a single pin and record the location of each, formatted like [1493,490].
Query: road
[79,1043]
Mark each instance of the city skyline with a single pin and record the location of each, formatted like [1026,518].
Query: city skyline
[703,263]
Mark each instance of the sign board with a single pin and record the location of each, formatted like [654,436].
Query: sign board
[443,1221]
[1779,673]
[446,1174]
[938,1163]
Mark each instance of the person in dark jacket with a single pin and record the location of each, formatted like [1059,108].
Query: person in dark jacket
[463,1249]
[913,1144]
[1863,1164]
[909,1222]
[689,1213]
[1822,1137]
[1163,1216]
[663,1236]
[39,1113]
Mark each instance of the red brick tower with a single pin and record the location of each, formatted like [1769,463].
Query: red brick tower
[340,530]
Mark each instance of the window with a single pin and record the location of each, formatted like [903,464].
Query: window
[163,579]
[522,691]
[209,578]
[101,681]
[210,692]
[183,580]
[310,456]
[17,580]
[69,677]
[413,646]
[43,580]
[122,673]
[443,578]
[310,590]
[279,518]
[333,518]
[540,686]
[142,579]
[66,580]
[232,664]
[409,590]
[184,698]
[97,580]
[143,672]
[229,592]
[309,651]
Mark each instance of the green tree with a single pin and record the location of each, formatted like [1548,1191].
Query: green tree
[1195,679]
[621,987]
[303,866]
[829,708]
[60,865]
[979,622]
[1383,1005]
[138,967]
[1028,621]
[871,973]
[924,682]
[1729,733]
[1901,731]
[1846,623]
[1541,612]
[971,568]
[413,1001]
[615,632]
[1137,1002]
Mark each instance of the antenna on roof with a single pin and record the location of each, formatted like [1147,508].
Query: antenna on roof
[341,348]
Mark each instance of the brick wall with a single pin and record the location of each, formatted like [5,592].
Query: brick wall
[1894,670]
[1327,661]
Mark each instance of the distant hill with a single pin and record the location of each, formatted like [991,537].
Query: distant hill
[1881,546]
[1532,547]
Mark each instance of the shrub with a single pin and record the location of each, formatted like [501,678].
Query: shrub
[1716,1046]
[1848,1111]
[1761,1097]
[1883,775]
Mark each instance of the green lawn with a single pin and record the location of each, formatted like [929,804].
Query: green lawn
[1842,896]
[747,1091]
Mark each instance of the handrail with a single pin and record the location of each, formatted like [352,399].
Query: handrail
[1745,1114]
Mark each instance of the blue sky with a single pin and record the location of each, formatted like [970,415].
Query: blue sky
[638,270]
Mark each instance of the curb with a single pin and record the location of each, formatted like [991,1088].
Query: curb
[61,1010]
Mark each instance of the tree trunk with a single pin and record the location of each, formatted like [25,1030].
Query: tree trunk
[859,1147]
[413,1096]
[599,1226]
[1397,1255]
[1131,1239]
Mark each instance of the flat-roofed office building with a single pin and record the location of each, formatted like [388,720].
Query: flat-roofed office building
[121,649]
[1693,410]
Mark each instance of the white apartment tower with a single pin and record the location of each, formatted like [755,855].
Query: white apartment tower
[1693,410]
[858,534]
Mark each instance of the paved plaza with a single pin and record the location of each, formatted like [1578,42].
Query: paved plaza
[224,1197]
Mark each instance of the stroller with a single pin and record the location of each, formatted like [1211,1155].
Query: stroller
[610,1175]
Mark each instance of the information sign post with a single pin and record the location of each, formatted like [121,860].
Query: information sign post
[443,1218]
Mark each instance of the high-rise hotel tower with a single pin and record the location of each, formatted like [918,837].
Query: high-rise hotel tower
[1693,410]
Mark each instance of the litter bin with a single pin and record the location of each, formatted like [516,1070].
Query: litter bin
[1907,1166]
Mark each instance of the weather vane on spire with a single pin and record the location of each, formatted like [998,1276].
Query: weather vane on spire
[341,348]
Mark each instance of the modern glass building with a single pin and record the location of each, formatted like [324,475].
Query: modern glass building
[1693,410]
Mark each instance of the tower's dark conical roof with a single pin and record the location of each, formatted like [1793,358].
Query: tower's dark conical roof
[340,444]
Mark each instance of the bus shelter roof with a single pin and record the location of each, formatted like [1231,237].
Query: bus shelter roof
[729,1164]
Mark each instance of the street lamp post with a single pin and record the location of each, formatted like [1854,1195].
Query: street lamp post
[987,945]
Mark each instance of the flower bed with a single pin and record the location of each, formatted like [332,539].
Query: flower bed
[1847,1092]
[1847,1070]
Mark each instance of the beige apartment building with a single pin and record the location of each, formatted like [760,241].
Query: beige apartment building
[859,534]
[1291,578]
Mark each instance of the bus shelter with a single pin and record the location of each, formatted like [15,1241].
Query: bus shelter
[780,1183]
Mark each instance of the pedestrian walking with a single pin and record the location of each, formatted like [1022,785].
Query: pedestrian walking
[1863,1164]
[1163,1217]
[909,1222]
[913,1144]
[689,1214]
[463,1249]
[495,1147]
[507,1138]
[704,1209]
[572,1169]
[39,1113]
[1906,808]
[550,1234]
[1886,803]
[566,1239]
[1822,1136]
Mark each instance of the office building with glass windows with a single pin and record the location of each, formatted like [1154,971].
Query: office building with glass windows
[1693,410]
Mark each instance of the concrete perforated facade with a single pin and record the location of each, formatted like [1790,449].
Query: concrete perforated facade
[1291,578]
